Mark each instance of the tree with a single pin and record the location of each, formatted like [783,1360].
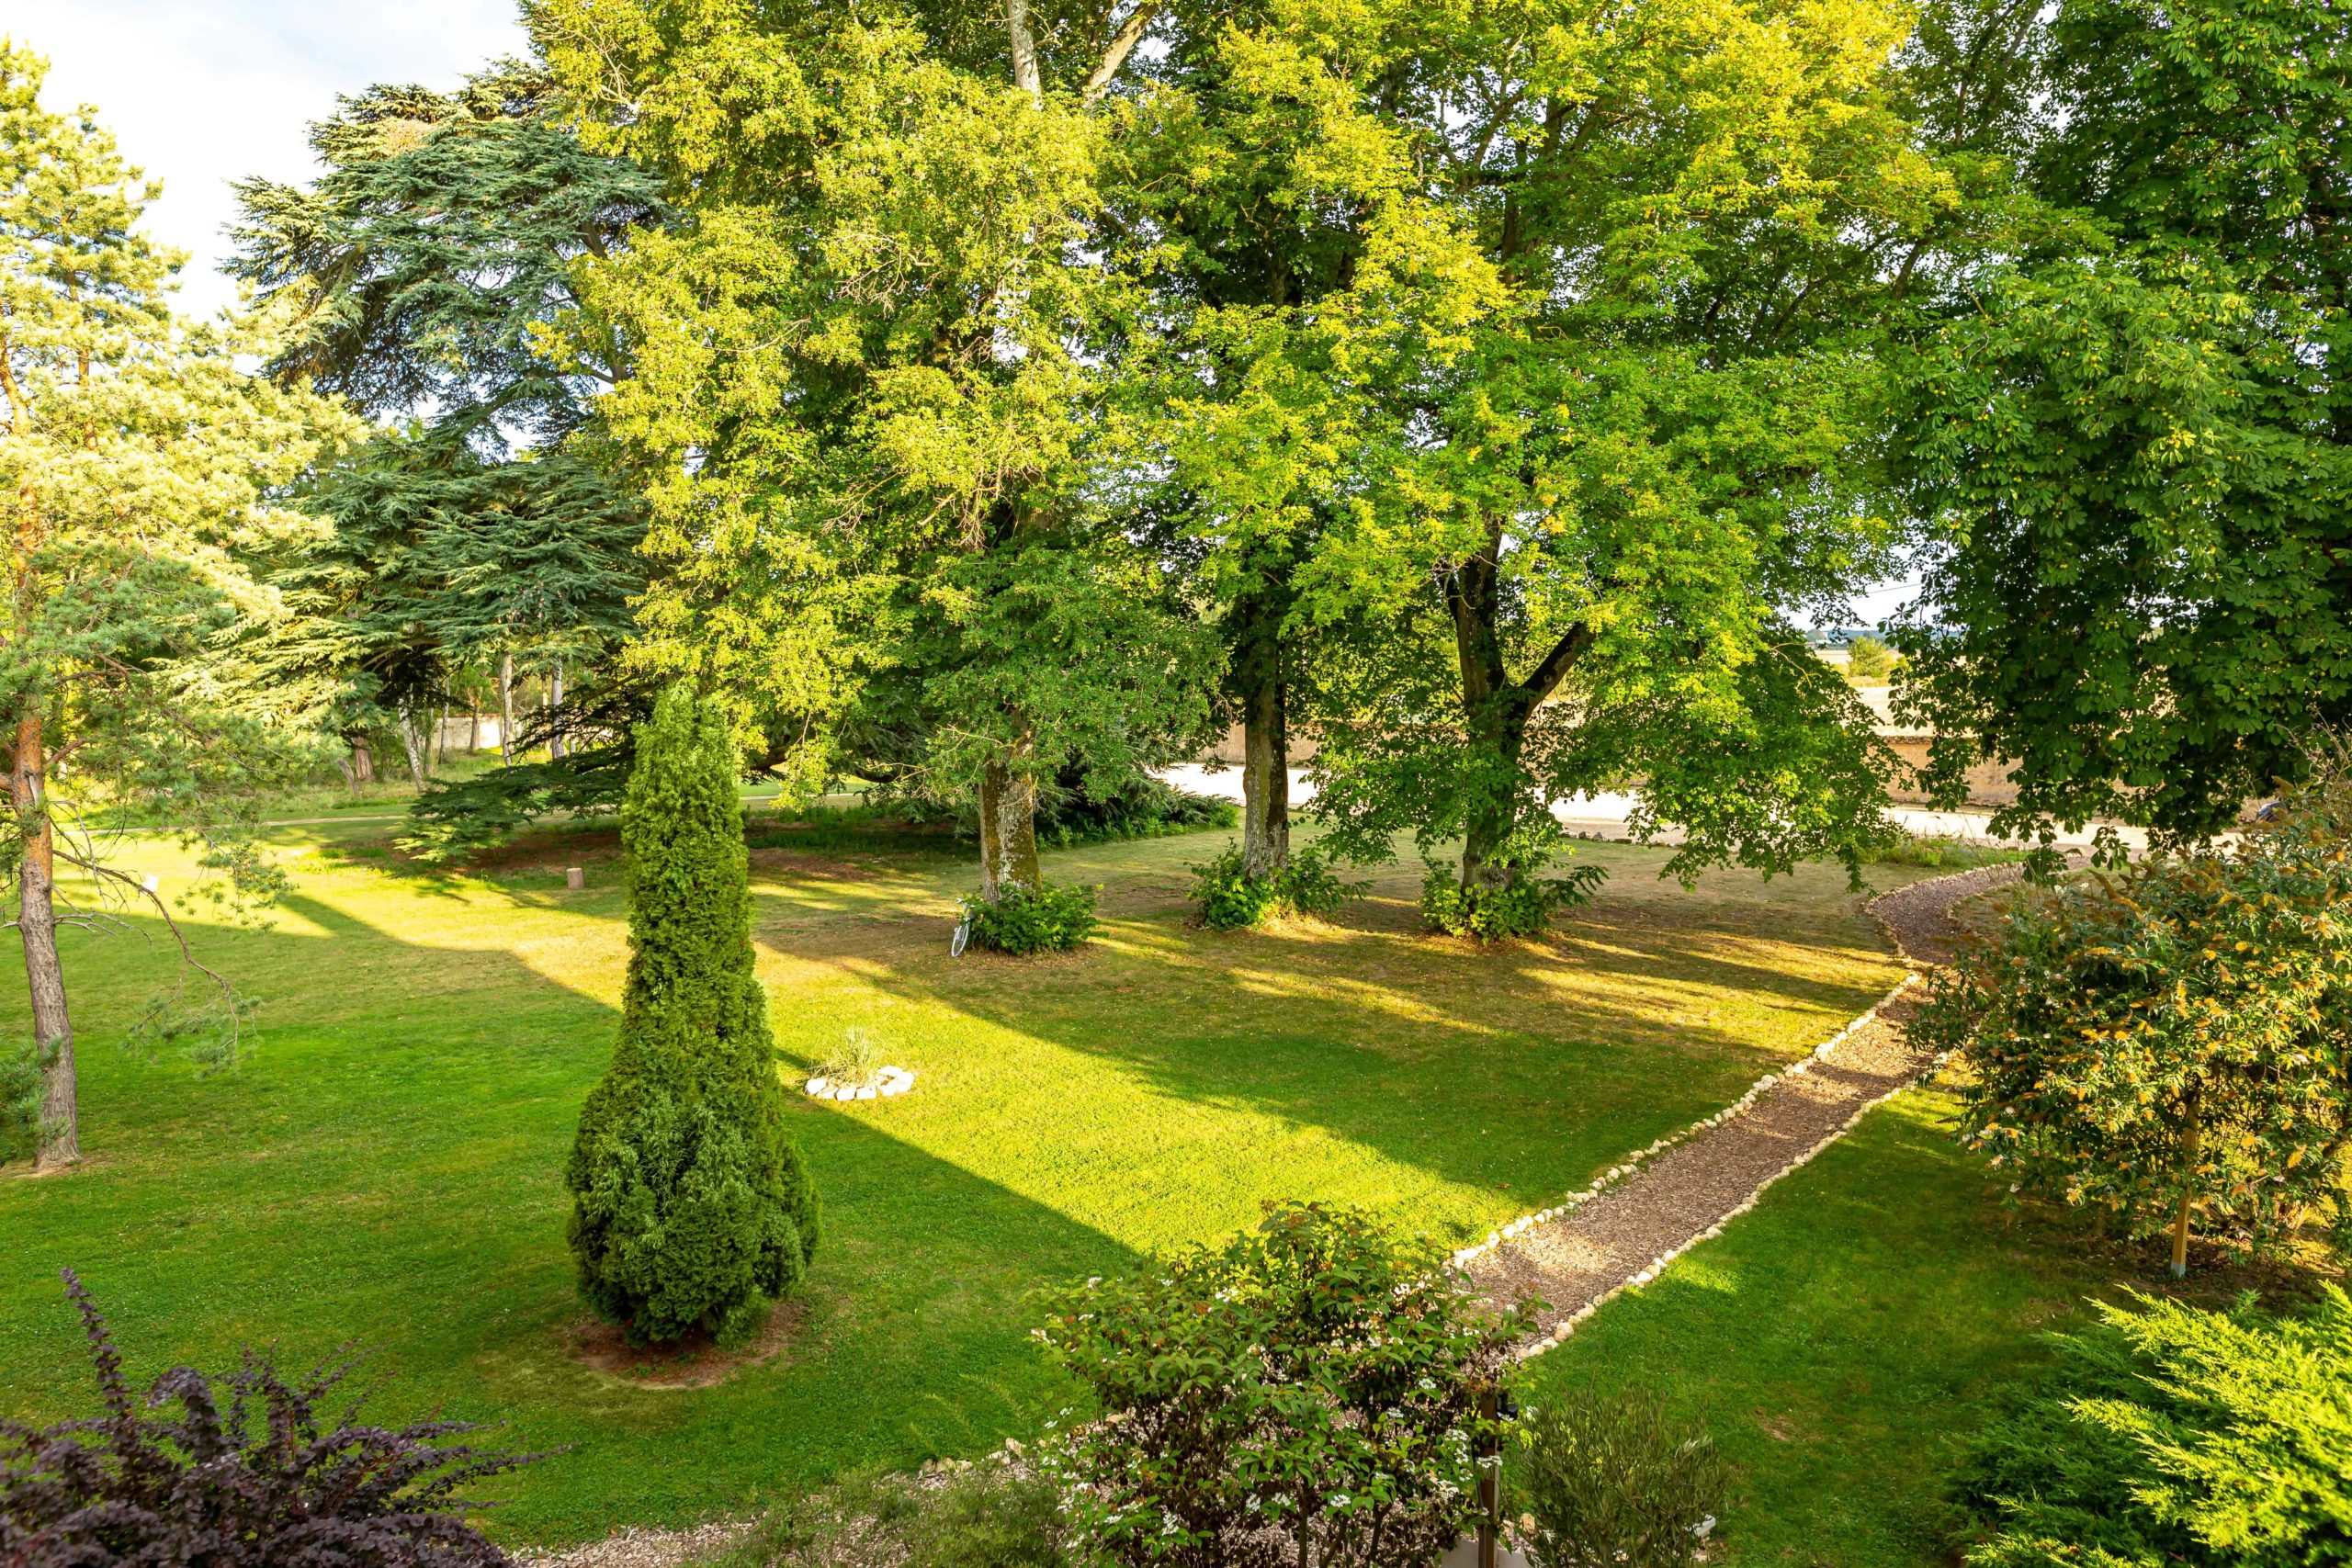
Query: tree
[1583,530]
[1869,660]
[2131,452]
[481,531]
[1299,272]
[862,388]
[690,1207]
[143,467]
[2173,1043]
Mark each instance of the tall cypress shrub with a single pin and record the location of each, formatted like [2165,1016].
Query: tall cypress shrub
[690,1208]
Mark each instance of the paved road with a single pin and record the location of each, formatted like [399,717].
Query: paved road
[1607,813]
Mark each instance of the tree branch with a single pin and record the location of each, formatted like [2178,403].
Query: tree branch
[1129,34]
[1558,662]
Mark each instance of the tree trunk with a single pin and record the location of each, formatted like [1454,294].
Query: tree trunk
[2188,1140]
[506,710]
[1265,737]
[362,763]
[60,1131]
[420,767]
[1024,49]
[555,713]
[1008,827]
[473,726]
[1498,710]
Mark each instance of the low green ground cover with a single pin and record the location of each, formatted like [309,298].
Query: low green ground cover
[384,1171]
[1843,1342]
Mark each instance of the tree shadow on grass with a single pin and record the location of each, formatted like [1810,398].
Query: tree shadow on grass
[1360,1057]
[385,1171]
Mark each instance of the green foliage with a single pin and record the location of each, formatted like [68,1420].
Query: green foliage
[1935,851]
[1317,1378]
[1613,1479]
[1869,660]
[989,1515]
[1308,883]
[1084,809]
[690,1207]
[1521,905]
[147,472]
[2174,1037]
[1048,918]
[867,381]
[455,817]
[2169,1433]
[428,261]
[2131,444]
[21,1063]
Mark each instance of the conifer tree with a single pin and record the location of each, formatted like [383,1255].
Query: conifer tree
[142,467]
[690,1207]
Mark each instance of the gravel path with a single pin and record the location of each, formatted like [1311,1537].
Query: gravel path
[1623,1232]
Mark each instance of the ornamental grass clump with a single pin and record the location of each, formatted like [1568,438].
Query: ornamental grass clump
[692,1211]
[1305,1396]
[243,1471]
[2172,1046]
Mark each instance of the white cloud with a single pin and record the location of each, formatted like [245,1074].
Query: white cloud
[202,92]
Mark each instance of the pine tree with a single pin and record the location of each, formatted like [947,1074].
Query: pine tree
[142,467]
[690,1207]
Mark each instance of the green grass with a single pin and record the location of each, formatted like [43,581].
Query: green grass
[1839,1341]
[385,1171]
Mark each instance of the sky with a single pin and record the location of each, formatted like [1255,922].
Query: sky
[202,92]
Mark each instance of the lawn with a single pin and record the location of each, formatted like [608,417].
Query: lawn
[384,1171]
[1839,1342]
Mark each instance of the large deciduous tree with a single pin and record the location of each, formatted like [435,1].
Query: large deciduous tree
[142,468]
[2131,450]
[865,362]
[1583,534]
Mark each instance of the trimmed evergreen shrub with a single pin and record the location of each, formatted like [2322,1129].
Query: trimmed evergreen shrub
[244,1470]
[2171,1437]
[1614,1481]
[1047,919]
[1231,898]
[1523,907]
[690,1207]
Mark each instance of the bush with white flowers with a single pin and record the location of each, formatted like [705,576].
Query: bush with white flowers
[1317,1377]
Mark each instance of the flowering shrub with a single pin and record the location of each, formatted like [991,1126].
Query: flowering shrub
[1521,907]
[1047,919]
[1308,883]
[1308,1392]
[2173,1043]
[244,1472]
[1614,1481]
